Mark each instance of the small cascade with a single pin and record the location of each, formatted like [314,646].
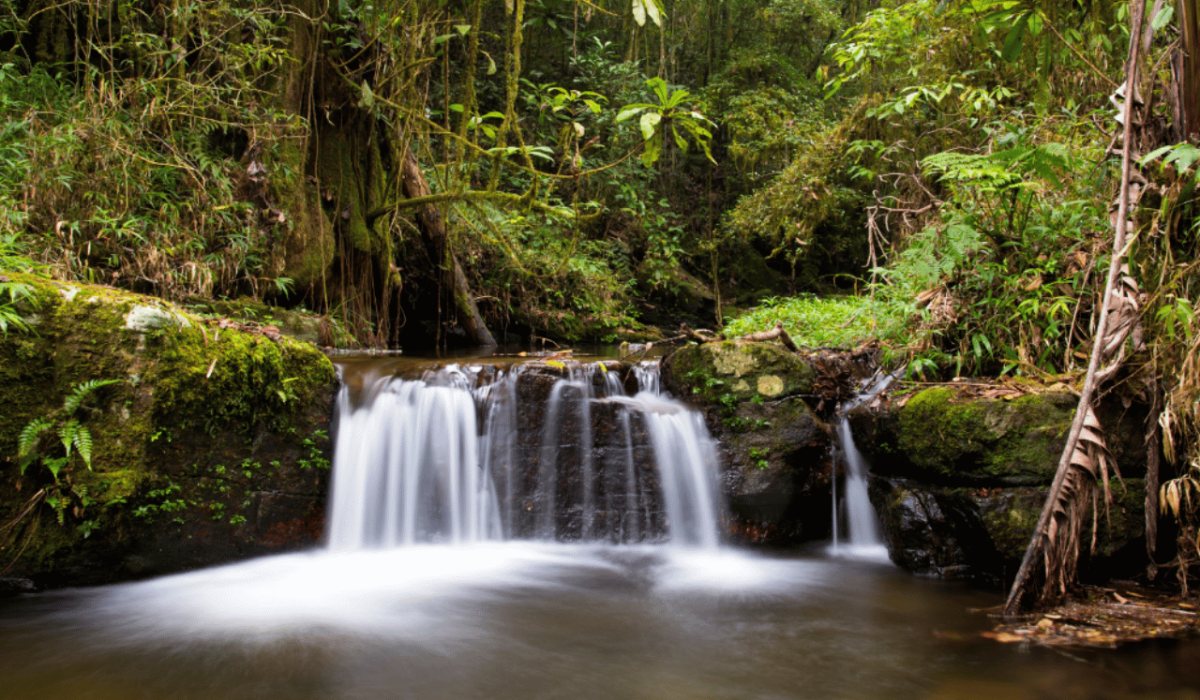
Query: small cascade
[863,538]
[407,468]
[475,453]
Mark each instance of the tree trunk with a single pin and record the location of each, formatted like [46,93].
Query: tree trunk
[438,245]
[1189,31]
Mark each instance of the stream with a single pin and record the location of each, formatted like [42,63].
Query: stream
[592,577]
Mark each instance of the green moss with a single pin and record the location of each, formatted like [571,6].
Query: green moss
[741,370]
[234,379]
[348,180]
[951,437]
[206,387]
[308,246]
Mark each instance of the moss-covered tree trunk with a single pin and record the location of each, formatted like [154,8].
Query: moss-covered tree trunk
[454,281]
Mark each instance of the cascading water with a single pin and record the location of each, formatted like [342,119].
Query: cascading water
[862,525]
[448,458]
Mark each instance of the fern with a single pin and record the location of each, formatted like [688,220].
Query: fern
[28,439]
[66,434]
[83,443]
[82,391]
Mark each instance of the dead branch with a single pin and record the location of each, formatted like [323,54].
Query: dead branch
[776,332]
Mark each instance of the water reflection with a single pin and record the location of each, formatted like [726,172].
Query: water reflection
[522,620]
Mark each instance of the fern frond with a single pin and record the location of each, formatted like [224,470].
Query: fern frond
[66,433]
[28,439]
[83,443]
[82,391]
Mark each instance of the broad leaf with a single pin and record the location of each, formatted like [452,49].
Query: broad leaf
[1015,39]
[649,124]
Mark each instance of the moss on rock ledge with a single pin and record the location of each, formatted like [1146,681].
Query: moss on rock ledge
[775,448]
[1018,440]
[734,370]
[192,447]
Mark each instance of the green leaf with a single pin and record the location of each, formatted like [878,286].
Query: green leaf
[630,110]
[66,434]
[81,392]
[679,140]
[1163,18]
[1153,155]
[659,86]
[649,124]
[1014,40]
[27,441]
[83,442]
[654,10]
[639,12]
[366,97]
[462,29]
[653,150]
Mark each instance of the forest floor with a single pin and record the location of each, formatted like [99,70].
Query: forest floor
[1105,617]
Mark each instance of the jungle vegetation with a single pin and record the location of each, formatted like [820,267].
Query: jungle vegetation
[432,172]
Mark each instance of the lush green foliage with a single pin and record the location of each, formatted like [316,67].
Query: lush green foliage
[838,321]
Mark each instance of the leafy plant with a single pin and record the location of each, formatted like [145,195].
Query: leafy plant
[72,434]
[685,122]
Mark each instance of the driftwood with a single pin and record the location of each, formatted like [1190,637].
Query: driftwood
[776,332]
[438,245]
[1056,537]
[685,333]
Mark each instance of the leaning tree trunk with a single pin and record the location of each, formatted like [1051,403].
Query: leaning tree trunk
[1054,549]
[434,230]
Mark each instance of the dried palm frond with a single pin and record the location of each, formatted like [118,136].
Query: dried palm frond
[1086,480]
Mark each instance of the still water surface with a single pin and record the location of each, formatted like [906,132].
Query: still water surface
[526,620]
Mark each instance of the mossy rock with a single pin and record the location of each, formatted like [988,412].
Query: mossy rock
[732,371]
[305,327]
[982,533]
[775,449]
[946,438]
[775,472]
[189,403]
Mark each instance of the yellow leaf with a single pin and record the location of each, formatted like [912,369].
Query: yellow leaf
[556,363]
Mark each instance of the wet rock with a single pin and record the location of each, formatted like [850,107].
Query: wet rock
[209,444]
[959,480]
[775,449]
[730,371]
[10,587]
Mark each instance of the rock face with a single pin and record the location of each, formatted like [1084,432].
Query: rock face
[959,480]
[208,444]
[597,484]
[776,456]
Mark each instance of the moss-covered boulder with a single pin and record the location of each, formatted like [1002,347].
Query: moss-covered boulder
[207,443]
[305,327]
[960,475]
[982,533]
[730,371]
[776,449]
[1014,441]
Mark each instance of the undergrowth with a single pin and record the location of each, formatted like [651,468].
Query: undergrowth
[812,321]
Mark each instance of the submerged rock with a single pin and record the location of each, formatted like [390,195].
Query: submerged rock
[208,444]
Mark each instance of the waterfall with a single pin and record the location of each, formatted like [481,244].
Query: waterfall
[862,524]
[473,453]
